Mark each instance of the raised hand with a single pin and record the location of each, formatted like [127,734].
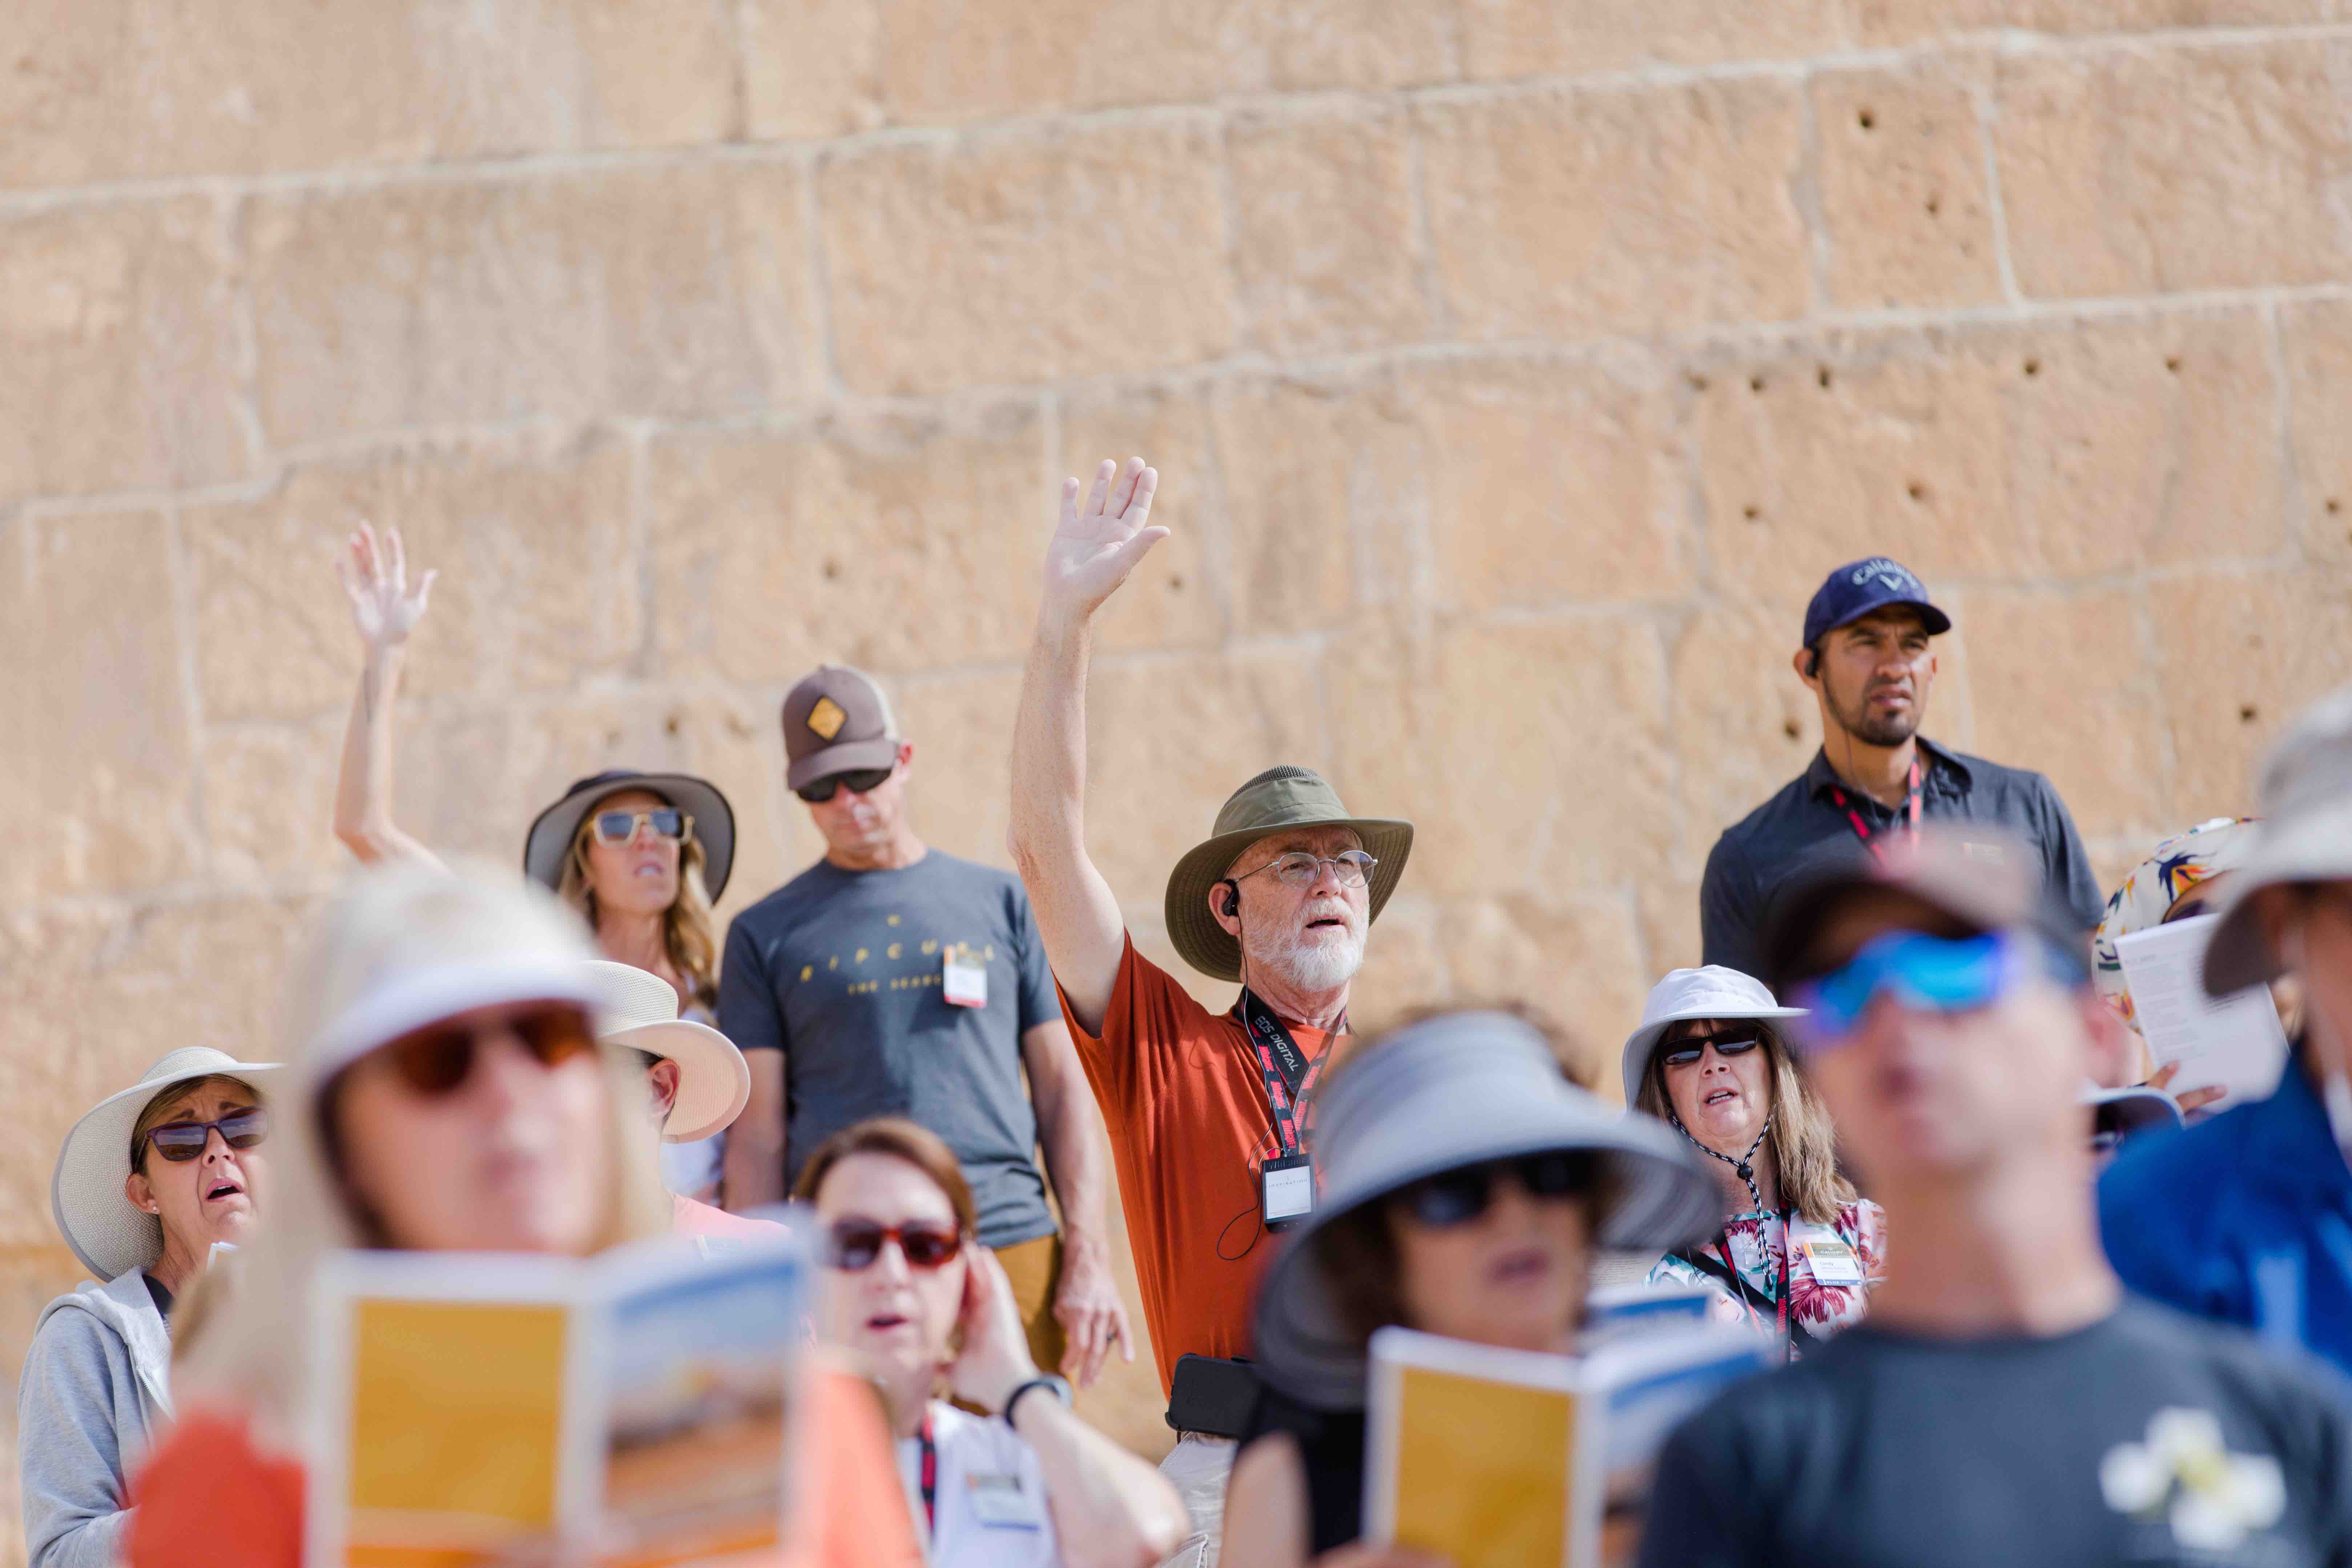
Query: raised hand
[375,579]
[1096,545]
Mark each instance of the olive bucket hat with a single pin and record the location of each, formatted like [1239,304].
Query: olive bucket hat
[1278,800]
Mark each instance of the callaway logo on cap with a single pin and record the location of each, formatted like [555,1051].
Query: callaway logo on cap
[1858,587]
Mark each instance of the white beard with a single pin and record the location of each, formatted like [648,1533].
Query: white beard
[1310,964]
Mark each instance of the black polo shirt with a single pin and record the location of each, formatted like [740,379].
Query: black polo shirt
[1791,832]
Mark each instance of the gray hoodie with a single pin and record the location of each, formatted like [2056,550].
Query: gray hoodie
[95,1385]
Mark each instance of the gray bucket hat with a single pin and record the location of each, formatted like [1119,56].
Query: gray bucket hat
[2306,837]
[551,832]
[1277,800]
[1457,1090]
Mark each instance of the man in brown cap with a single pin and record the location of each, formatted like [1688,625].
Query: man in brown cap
[1204,1108]
[891,978]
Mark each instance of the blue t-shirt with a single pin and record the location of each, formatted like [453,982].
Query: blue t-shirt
[842,971]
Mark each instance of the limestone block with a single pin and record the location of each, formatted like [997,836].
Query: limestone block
[2060,684]
[1878,23]
[1743,725]
[107,990]
[2318,338]
[1550,483]
[118,360]
[1668,907]
[1329,256]
[1576,958]
[892,543]
[1026,256]
[1617,211]
[1903,188]
[962,785]
[2238,657]
[531,537]
[918,62]
[101,736]
[125,90]
[1538,38]
[1325,490]
[1406,961]
[2088,447]
[1169,738]
[2127,173]
[269,800]
[1530,754]
[1178,597]
[677,291]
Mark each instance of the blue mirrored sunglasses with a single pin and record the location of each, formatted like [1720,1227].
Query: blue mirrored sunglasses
[1932,973]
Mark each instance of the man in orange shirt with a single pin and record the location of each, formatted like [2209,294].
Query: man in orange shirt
[1209,1113]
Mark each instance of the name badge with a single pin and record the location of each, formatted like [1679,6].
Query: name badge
[1833,1262]
[964,982]
[997,1502]
[1286,1190]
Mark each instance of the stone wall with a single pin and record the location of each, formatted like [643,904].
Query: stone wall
[1514,368]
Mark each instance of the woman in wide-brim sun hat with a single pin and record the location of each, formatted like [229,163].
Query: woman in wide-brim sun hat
[642,857]
[147,1182]
[1463,1185]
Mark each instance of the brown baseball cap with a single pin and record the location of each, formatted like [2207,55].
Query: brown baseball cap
[1980,877]
[837,720]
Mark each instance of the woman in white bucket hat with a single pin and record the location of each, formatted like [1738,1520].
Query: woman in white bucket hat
[1800,1249]
[148,1181]
[1463,1183]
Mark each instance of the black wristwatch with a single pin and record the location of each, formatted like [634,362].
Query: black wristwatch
[1060,1387]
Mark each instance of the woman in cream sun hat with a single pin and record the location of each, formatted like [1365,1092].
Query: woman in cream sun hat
[148,1181]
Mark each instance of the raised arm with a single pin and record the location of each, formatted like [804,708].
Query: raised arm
[1093,548]
[385,611]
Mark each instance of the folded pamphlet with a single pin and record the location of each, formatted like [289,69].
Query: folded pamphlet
[633,1409]
[2233,1041]
[1496,1458]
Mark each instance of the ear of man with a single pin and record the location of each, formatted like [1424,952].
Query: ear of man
[1225,903]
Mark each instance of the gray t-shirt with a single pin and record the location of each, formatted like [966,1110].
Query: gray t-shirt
[2146,1438]
[842,971]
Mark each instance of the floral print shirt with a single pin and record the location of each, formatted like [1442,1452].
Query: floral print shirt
[1756,1243]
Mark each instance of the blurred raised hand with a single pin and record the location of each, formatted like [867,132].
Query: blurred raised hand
[375,580]
[1096,545]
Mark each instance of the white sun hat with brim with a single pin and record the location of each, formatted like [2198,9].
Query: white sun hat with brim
[1450,1091]
[2135,1109]
[1710,992]
[2306,837]
[93,1213]
[637,1010]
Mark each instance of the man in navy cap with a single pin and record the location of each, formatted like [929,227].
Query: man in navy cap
[1868,656]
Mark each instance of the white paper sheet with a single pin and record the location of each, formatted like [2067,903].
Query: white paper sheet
[2234,1041]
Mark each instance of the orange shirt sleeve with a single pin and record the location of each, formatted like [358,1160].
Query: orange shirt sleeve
[1149,1026]
[208,1499]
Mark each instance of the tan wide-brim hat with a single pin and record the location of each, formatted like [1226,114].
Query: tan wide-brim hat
[637,1010]
[1278,800]
[93,1214]
[2306,837]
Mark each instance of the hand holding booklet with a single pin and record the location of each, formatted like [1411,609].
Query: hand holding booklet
[1498,1458]
[2233,1041]
[631,1409]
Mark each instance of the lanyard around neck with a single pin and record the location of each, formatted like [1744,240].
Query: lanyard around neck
[1911,808]
[1289,1076]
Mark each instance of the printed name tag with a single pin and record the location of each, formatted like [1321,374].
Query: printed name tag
[1833,1262]
[997,1502]
[1286,1190]
[964,982]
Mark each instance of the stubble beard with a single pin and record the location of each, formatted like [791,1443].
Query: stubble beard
[1891,731]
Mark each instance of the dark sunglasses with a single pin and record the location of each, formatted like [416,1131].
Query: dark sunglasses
[1457,1197]
[620,826]
[438,1059]
[853,1245]
[180,1141]
[857,780]
[1685,1052]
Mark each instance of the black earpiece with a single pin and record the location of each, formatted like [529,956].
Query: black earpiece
[1232,902]
[1812,661]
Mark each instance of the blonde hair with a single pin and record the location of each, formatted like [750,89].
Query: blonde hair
[689,931]
[1803,1142]
[254,1349]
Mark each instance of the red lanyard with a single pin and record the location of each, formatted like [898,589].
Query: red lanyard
[1862,829]
[1289,1079]
[929,1478]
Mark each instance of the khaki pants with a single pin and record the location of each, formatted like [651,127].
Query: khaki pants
[1035,1267]
[1198,1467]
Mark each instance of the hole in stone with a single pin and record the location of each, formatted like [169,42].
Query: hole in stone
[670,725]
[2033,367]
[1822,375]
[1698,381]
[2246,713]
[1755,383]
[2334,506]
[1175,585]
[2172,363]
[832,569]
[1750,513]
[1789,728]
[1916,491]
[1865,119]
[1935,205]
